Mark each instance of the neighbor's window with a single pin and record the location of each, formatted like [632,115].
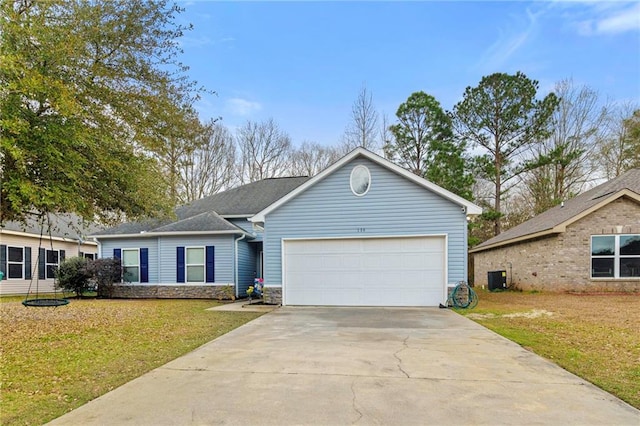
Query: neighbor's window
[615,256]
[52,260]
[15,262]
[195,264]
[360,180]
[131,265]
[629,256]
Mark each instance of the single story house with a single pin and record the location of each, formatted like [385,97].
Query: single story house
[363,232]
[29,254]
[590,243]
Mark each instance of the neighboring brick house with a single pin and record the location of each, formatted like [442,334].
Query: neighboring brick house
[591,243]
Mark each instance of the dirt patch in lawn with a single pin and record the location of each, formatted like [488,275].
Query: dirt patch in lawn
[596,337]
[534,313]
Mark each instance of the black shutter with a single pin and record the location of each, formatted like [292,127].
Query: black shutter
[3,261]
[42,254]
[27,263]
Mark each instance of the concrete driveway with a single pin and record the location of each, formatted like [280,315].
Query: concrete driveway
[338,366]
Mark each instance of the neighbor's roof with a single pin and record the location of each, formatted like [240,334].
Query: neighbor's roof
[557,218]
[207,214]
[67,225]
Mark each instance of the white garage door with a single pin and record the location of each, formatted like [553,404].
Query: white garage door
[406,271]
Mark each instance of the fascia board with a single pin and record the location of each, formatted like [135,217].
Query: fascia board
[44,236]
[171,234]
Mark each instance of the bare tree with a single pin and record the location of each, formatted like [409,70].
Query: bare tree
[561,165]
[619,149]
[211,167]
[386,135]
[264,150]
[311,158]
[362,129]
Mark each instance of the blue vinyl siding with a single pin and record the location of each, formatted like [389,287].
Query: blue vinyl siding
[108,245]
[223,260]
[246,266]
[393,206]
[245,225]
[162,258]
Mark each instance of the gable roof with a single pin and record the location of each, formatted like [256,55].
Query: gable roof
[63,226]
[245,200]
[556,219]
[470,208]
[208,214]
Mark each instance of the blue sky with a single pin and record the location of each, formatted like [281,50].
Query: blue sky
[303,63]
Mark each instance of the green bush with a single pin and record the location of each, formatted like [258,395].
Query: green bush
[72,275]
[105,272]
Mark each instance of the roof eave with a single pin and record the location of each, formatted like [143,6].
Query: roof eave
[44,236]
[171,234]
[515,240]
[470,208]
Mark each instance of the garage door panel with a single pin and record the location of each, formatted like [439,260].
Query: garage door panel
[403,271]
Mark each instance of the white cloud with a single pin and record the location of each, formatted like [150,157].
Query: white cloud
[589,18]
[239,106]
[621,21]
[186,41]
[510,41]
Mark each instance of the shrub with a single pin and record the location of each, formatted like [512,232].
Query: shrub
[105,272]
[73,275]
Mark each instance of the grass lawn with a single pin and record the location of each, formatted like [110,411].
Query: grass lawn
[56,359]
[596,337]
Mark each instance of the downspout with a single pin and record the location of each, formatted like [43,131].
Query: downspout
[235,271]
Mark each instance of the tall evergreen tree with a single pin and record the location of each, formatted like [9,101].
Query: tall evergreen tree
[503,117]
[423,143]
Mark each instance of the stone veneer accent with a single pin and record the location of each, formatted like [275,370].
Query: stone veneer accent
[272,295]
[219,292]
[562,262]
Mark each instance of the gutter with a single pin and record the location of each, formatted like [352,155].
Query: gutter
[170,234]
[44,237]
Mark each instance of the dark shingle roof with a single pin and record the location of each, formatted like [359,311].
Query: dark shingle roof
[244,200]
[205,214]
[573,207]
[62,226]
[209,221]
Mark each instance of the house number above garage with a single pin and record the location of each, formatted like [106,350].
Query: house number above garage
[360,180]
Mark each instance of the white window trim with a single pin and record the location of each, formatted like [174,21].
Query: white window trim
[130,266]
[360,166]
[47,264]
[187,264]
[616,258]
[15,263]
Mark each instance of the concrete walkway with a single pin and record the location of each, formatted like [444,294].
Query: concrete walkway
[338,366]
